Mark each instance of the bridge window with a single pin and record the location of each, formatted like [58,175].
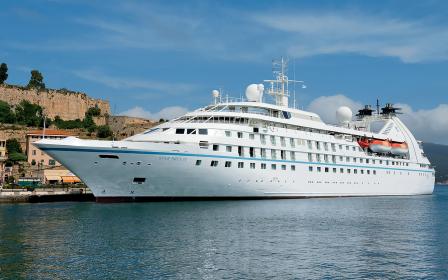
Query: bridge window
[228,164]
[240,164]
[109,156]
[191,131]
[198,162]
[214,163]
[203,131]
[180,130]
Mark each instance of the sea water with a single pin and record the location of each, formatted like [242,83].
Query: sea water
[372,237]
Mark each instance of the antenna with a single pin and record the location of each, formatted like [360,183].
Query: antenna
[294,76]
[378,106]
[279,87]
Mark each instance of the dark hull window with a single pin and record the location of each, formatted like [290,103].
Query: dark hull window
[139,180]
[108,156]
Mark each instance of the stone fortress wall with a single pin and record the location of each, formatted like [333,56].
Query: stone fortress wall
[65,104]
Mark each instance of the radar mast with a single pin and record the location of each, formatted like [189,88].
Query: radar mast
[279,88]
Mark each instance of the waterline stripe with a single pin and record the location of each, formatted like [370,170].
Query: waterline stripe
[224,157]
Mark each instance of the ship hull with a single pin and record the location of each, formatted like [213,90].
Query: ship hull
[166,174]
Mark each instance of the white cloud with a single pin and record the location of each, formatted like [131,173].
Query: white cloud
[165,113]
[427,125]
[310,33]
[326,106]
[132,83]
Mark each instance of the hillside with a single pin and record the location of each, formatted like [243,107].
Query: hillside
[68,105]
[438,155]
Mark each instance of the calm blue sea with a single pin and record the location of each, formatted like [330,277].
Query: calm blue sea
[379,237]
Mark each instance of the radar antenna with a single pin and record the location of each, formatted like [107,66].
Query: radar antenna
[279,88]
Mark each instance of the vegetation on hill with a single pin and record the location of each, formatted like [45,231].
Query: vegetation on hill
[15,152]
[36,80]
[3,73]
[438,156]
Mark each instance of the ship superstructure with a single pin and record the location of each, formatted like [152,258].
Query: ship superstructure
[252,149]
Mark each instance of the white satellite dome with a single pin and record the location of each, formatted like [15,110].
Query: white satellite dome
[254,92]
[344,114]
[215,93]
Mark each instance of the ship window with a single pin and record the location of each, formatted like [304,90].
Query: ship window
[263,152]
[215,147]
[263,166]
[326,169]
[252,165]
[283,154]
[354,159]
[255,130]
[263,139]
[319,169]
[349,170]
[191,131]
[318,157]
[309,144]
[203,131]
[334,170]
[360,160]
[373,161]
[228,164]
[340,147]
[108,156]
[318,145]
[251,136]
[180,130]
[139,180]
[347,148]
[273,166]
[252,152]
[240,151]
[293,155]
[381,162]
[273,154]
[333,158]
[333,147]
[240,134]
[282,141]
[214,163]
[198,162]
[368,171]
[353,148]
[341,170]
[367,160]
[325,146]
[292,143]
[283,167]
[228,133]
[286,115]
[203,144]
[341,158]
[229,148]
[293,167]
[310,168]
[362,171]
[310,157]
[273,140]
[374,172]
[326,158]
[240,164]
[355,171]
[347,159]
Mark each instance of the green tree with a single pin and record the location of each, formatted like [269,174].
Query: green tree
[104,131]
[13,146]
[6,114]
[88,123]
[36,80]
[94,111]
[28,114]
[3,73]
[15,157]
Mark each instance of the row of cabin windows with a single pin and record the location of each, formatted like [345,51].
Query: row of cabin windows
[262,152]
[292,142]
[201,131]
[326,158]
[341,170]
[252,165]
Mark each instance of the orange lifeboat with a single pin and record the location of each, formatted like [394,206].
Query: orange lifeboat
[364,143]
[380,146]
[399,148]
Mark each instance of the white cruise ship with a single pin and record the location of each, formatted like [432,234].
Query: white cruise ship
[252,149]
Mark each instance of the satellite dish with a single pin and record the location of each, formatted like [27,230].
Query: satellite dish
[215,93]
[254,92]
[344,115]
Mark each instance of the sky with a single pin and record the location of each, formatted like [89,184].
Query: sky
[160,59]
